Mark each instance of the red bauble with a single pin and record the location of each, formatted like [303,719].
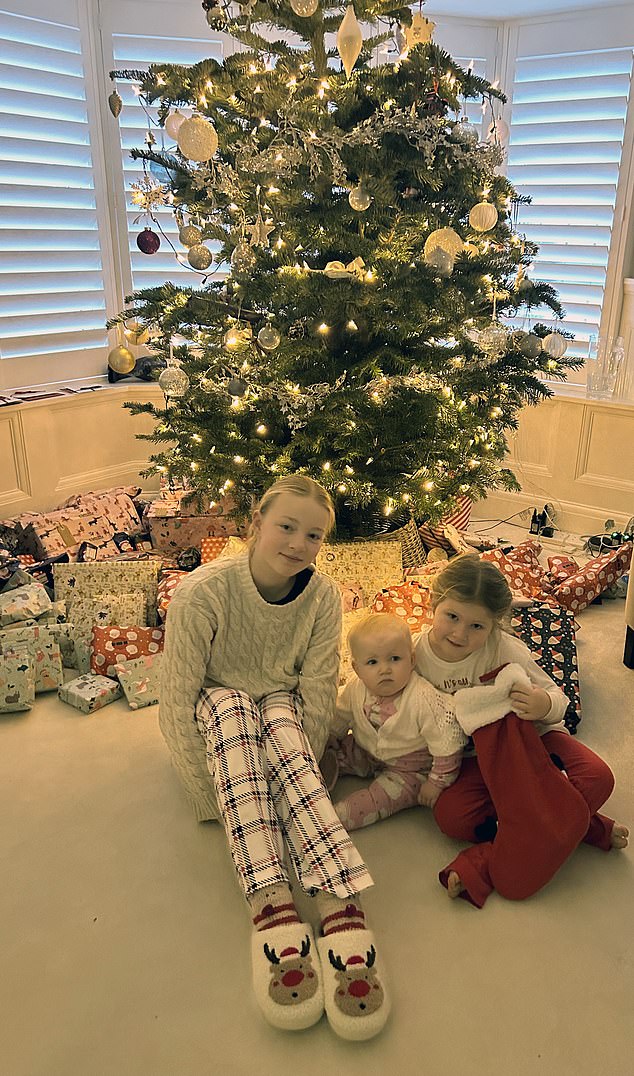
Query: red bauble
[148,241]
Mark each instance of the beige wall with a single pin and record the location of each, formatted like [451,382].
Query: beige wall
[577,454]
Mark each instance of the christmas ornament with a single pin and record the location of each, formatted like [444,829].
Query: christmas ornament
[466,132]
[470,249]
[121,360]
[498,132]
[260,231]
[136,333]
[440,260]
[349,40]
[554,345]
[483,217]
[190,235]
[269,338]
[148,241]
[160,173]
[296,330]
[216,16]
[359,197]
[305,8]
[419,32]
[189,558]
[197,139]
[199,256]
[493,339]
[242,258]
[173,123]
[145,368]
[237,337]
[115,104]
[236,387]
[174,381]
[531,346]
[148,195]
[446,239]
[434,104]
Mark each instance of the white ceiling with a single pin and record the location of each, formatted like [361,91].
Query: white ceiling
[510,9]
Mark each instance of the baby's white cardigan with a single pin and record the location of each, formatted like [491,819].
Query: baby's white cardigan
[257,648]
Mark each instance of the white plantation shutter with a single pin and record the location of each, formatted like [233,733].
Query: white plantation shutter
[52,307]
[473,107]
[569,113]
[135,52]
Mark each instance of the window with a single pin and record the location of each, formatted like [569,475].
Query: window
[51,280]
[569,112]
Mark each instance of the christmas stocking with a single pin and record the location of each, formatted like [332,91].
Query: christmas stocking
[541,817]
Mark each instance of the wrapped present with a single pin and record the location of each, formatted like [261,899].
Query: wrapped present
[17,682]
[50,534]
[116,577]
[140,680]
[372,564]
[167,585]
[523,571]
[549,634]
[578,590]
[175,524]
[65,635]
[433,535]
[115,644]
[23,603]
[352,597]
[210,548]
[89,693]
[115,505]
[44,651]
[410,600]
[103,609]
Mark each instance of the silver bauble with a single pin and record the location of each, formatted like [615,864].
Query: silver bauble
[554,345]
[466,133]
[190,235]
[174,381]
[359,198]
[269,338]
[199,256]
[242,258]
[493,339]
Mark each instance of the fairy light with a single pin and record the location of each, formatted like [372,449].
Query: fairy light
[194,466]
[428,485]
[238,459]
[342,488]
[261,429]
[352,326]
[326,466]
[323,328]
[252,69]
[196,437]
[209,85]
[348,469]
[273,190]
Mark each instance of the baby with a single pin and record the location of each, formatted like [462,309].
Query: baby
[403,732]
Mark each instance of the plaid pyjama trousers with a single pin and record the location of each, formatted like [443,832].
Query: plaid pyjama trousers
[271,794]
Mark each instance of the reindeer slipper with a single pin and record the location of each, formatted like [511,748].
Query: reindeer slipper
[287,976]
[357,1004]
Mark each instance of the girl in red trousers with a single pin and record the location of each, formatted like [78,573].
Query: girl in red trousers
[531,793]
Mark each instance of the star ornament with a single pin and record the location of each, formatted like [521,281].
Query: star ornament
[260,231]
[420,31]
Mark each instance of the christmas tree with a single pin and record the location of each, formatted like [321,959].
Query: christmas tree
[358,323]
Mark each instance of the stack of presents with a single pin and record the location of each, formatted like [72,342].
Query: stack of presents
[86,588]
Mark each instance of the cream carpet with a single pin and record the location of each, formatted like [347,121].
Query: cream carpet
[126,944]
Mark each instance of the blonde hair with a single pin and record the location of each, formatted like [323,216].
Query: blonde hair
[469,579]
[301,486]
[372,624]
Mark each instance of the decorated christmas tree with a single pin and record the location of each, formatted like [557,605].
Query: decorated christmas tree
[357,281]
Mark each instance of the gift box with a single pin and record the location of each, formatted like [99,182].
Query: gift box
[140,680]
[166,588]
[24,603]
[549,634]
[65,635]
[115,505]
[174,524]
[104,609]
[372,565]
[113,645]
[89,693]
[578,590]
[210,548]
[410,600]
[49,534]
[17,682]
[434,535]
[116,577]
[43,650]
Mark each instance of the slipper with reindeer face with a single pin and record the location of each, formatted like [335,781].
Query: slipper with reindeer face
[357,1004]
[287,976]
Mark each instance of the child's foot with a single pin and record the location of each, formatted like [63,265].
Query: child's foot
[454,885]
[619,836]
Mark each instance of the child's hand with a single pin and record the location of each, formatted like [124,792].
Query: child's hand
[428,794]
[531,704]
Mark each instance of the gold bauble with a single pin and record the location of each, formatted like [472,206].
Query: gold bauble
[305,8]
[121,360]
[349,40]
[190,235]
[199,256]
[360,198]
[483,217]
[197,139]
[445,238]
[136,334]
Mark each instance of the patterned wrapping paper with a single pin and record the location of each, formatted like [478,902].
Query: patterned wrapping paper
[117,577]
[17,682]
[434,536]
[549,634]
[50,534]
[522,570]
[592,578]
[410,600]
[166,589]
[65,635]
[44,651]
[140,680]
[115,505]
[113,645]
[89,693]
[24,603]
[175,525]
[210,548]
[106,609]
[372,565]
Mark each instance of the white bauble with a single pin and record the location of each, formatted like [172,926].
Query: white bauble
[197,139]
[242,257]
[483,217]
[554,345]
[190,235]
[173,122]
[446,239]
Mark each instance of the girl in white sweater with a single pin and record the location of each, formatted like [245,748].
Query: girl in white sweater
[249,678]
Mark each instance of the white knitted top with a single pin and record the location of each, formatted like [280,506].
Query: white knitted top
[220,632]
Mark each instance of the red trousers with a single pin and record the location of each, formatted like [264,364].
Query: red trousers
[515,792]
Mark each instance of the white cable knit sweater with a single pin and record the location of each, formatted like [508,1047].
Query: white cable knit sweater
[220,632]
